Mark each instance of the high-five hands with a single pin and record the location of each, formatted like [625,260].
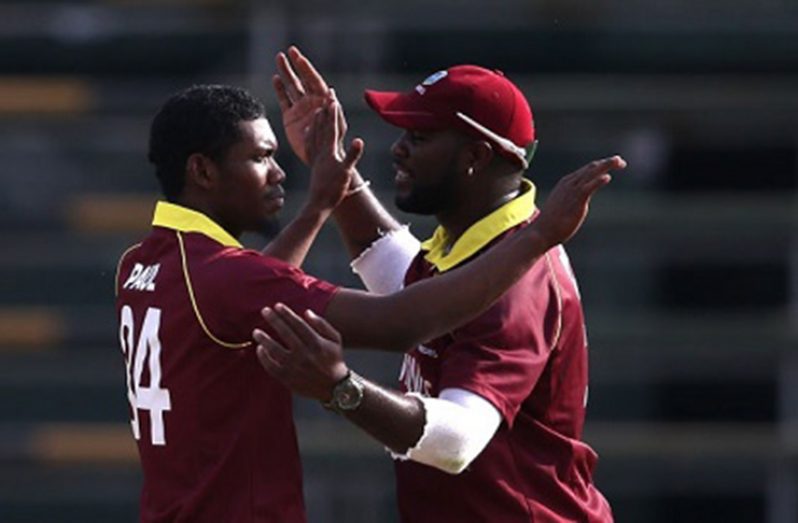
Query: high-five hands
[332,168]
[567,205]
[301,92]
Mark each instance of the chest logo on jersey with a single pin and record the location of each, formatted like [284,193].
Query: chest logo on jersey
[411,377]
[142,278]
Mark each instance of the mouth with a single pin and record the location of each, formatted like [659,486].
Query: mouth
[275,196]
[276,192]
[403,176]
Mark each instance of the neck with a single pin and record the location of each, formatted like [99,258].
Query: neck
[458,221]
[200,205]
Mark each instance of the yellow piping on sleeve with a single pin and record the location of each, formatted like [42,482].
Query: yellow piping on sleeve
[558,294]
[119,267]
[194,305]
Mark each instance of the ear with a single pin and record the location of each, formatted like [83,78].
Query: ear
[478,155]
[201,171]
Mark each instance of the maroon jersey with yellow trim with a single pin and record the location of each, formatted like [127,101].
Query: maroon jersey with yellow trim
[215,432]
[527,355]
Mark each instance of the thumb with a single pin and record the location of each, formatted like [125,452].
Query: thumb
[354,153]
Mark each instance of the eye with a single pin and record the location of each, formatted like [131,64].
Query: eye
[416,136]
[263,156]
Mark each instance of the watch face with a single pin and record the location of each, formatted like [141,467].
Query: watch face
[348,394]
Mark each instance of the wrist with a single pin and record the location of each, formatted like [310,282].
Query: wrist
[315,211]
[539,239]
[355,180]
[357,188]
[347,394]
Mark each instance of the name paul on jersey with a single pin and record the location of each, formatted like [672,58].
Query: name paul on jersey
[142,278]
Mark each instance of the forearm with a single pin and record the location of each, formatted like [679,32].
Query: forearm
[361,219]
[435,306]
[393,419]
[447,433]
[294,242]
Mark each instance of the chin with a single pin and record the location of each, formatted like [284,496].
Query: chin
[273,207]
[414,206]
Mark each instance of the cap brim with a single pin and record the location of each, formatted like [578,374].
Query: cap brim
[401,110]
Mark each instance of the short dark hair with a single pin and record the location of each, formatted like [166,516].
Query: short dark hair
[201,119]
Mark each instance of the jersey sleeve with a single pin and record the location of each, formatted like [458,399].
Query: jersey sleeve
[502,353]
[264,281]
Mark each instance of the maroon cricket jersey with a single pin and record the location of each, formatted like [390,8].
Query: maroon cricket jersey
[215,432]
[527,355]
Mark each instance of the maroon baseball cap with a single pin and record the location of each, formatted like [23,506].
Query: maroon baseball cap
[478,101]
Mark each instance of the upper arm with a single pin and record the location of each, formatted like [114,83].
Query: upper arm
[367,320]
[241,287]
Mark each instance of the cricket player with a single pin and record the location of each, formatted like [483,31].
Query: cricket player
[214,431]
[488,419]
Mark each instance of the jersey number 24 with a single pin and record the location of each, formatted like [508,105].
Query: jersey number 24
[151,398]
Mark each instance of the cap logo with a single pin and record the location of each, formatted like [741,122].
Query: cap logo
[431,80]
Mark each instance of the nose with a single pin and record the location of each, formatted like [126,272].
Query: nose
[276,174]
[399,147]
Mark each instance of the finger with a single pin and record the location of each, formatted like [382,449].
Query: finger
[292,83]
[340,116]
[354,153]
[268,362]
[597,183]
[300,327]
[329,131]
[282,94]
[322,130]
[334,107]
[264,340]
[310,77]
[260,336]
[322,326]
[602,166]
[289,338]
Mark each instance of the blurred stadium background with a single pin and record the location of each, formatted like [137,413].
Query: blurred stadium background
[688,266]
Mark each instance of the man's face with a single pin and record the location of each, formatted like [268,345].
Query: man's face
[250,193]
[426,176]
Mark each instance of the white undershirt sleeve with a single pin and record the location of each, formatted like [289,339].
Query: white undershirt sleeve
[383,265]
[459,424]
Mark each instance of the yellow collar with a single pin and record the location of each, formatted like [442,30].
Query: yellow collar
[179,218]
[481,233]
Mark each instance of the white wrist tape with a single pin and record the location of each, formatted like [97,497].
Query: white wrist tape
[383,265]
[458,426]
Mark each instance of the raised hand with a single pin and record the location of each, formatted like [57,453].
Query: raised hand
[308,359]
[301,92]
[332,168]
[567,205]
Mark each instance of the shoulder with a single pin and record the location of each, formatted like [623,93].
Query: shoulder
[247,278]
[531,307]
[249,265]
[123,260]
